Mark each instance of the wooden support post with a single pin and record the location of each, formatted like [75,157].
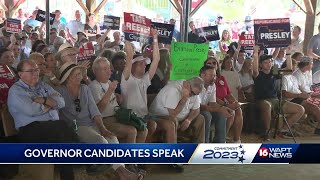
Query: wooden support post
[100,6]
[310,22]
[84,8]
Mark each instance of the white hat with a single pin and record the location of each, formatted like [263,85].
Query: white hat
[65,70]
[141,58]
[64,46]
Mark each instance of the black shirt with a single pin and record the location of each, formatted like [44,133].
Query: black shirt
[265,86]
[194,38]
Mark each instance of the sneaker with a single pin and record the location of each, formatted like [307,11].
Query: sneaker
[266,136]
[317,131]
[284,134]
[178,167]
[237,142]
[96,169]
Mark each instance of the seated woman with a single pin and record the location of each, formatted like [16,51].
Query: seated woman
[225,98]
[7,58]
[82,113]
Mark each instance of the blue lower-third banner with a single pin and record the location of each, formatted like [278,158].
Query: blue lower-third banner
[159,153]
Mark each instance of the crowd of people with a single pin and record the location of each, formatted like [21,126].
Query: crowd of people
[59,99]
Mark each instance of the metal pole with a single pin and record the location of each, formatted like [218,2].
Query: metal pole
[47,21]
[185,19]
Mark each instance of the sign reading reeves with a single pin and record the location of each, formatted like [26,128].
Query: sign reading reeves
[137,28]
[13,25]
[272,32]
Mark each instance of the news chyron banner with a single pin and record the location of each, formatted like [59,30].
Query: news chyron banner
[272,32]
[159,153]
[137,28]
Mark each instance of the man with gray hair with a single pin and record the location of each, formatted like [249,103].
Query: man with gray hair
[180,101]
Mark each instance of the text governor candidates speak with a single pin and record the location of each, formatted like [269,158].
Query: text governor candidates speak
[97,153]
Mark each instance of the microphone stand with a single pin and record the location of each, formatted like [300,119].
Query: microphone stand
[280,112]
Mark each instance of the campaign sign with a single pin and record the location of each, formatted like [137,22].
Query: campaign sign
[86,52]
[272,32]
[6,81]
[13,25]
[165,32]
[187,59]
[137,28]
[41,16]
[210,33]
[247,41]
[111,22]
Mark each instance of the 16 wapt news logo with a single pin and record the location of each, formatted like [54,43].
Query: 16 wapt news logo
[276,153]
[224,154]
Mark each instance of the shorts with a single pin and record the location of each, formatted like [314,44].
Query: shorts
[297,100]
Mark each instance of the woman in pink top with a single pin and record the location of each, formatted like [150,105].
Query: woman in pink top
[225,98]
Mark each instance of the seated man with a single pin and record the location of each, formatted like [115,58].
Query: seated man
[291,91]
[266,95]
[180,102]
[103,93]
[34,106]
[212,111]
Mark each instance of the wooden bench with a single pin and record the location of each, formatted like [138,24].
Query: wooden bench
[32,171]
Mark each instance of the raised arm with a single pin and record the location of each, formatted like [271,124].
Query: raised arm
[155,55]
[255,65]
[275,53]
[127,69]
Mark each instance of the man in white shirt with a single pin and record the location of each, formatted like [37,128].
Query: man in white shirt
[135,82]
[212,112]
[57,23]
[296,41]
[316,77]
[103,93]
[303,74]
[292,93]
[75,26]
[180,101]
[280,59]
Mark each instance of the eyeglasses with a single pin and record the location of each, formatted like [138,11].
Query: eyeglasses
[77,103]
[33,71]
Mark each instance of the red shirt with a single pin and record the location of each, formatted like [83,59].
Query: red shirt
[222,88]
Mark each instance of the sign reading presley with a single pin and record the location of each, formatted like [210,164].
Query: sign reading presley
[137,28]
[187,59]
[210,33]
[165,32]
[111,22]
[247,41]
[13,25]
[41,16]
[272,32]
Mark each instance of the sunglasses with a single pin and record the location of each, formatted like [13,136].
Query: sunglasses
[77,103]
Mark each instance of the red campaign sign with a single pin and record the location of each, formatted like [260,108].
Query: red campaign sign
[247,40]
[86,51]
[137,24]
[6,81]
[13,25]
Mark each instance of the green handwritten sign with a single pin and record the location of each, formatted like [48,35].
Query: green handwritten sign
[187,59]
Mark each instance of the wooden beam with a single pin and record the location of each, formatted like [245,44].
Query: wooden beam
[174,5]
[299,6]
[16,6]
[3,6]
[309,6]
[91,5]
[178,5]
[84,8]
[309,26]
[100,6]
[318,14]
[198,7]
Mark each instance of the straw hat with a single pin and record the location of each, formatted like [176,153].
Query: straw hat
[65,71]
